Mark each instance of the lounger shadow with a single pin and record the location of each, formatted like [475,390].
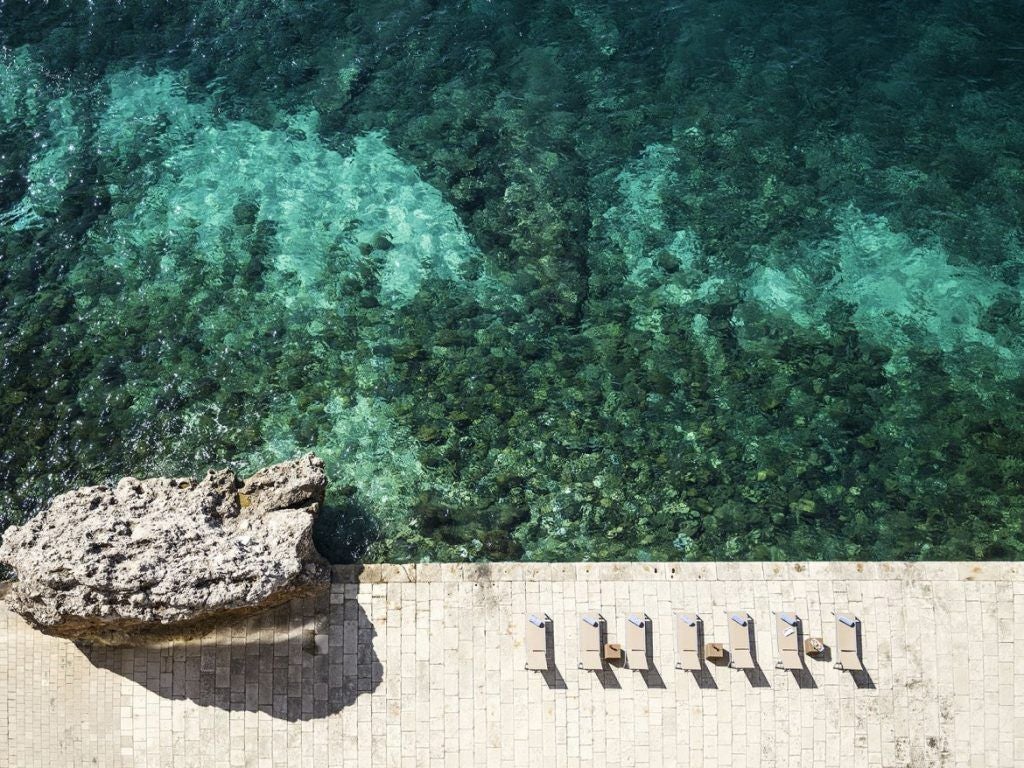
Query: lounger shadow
[690,641]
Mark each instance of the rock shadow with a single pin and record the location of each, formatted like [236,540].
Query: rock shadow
[344,530]
[301,661]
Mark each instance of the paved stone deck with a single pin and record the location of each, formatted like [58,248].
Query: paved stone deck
[423,665]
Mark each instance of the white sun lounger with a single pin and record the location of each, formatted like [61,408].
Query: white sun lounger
[537,641]
[636,641]
[590,641]
[688,641]
[787,630]
[740,656]
[847,642]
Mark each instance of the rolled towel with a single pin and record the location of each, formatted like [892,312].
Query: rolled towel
[536,620]
[591,620]
[688,620]
[789,618]
[637,620]
[850,621]
[739,619]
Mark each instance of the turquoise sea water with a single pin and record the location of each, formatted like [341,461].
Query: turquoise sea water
[538,280]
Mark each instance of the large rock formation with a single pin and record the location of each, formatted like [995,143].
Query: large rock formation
[164,558]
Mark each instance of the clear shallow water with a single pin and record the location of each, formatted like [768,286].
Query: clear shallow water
[548,280]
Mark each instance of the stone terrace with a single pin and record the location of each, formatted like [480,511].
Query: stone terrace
[421,665]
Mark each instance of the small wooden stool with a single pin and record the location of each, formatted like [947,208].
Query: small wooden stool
[813,646]
[612,652]
[714,652]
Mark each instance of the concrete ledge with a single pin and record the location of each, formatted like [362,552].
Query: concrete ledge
[386,573]
[889,570]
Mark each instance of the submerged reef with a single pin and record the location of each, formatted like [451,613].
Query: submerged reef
[578,281]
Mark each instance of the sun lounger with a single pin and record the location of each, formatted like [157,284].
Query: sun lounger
[848,642]
[536,641]
[740,656]
[688,642]
[590,641]
[636,641]
[787,630]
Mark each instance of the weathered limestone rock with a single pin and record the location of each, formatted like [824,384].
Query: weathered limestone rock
[159,559]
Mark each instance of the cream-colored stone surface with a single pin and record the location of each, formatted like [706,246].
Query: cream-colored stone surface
[423,665]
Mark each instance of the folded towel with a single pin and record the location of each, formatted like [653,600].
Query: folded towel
[536,620]
[789,618]
[637,620]
[850,621]
[739,619]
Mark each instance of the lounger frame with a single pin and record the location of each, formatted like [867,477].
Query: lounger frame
[536,641]
[848,642]
[740,651]
[788,637]
[591,641]
[689,628]
[637,650]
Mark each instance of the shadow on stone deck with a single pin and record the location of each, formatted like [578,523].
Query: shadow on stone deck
[303,660]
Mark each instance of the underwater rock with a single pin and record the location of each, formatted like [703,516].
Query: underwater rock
[167,558]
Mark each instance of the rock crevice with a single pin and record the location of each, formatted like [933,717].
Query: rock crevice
[166,558]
